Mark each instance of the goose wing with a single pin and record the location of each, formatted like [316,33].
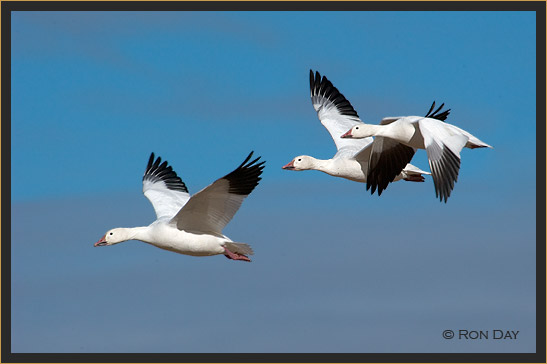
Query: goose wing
[163,188]
[443,151]
[388,157]
[336,114]
[209,210]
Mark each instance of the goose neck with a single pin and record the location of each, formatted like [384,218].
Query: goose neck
[138,233]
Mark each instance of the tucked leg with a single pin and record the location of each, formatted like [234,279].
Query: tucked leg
[235,256]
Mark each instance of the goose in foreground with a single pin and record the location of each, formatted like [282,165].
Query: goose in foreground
[442,142]
[351,160]
[192,225]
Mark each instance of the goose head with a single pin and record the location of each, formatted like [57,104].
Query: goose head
[112,237]
[358,132]
[300,163]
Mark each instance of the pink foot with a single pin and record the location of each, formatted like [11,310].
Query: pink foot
[235,256]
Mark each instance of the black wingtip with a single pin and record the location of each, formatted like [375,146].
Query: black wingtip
[431,108]
[245,178]
[435,114]
[157,171]
[321,87]
[150,161]
[247,159]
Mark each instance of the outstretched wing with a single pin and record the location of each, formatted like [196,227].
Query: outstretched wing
[164,189]
[443,152]
[209,210]
[335,113]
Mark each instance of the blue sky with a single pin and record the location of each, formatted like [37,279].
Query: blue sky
[336,269]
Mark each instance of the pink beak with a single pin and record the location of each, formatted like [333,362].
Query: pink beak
[289,165]
[347,135]
[101,242]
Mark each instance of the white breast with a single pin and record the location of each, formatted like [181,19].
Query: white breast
[170,238]
[344,168]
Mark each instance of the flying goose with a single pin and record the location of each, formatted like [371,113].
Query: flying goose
[397,138]
[192,225]
[351,160]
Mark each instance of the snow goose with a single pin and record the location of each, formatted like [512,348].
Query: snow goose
[352,157]
[192,225]
[397,139]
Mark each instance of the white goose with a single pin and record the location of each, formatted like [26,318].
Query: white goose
[351,161]
[192,225]
[442,142]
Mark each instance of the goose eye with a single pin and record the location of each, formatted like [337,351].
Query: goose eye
[299,159]
[356,127]
[111,233]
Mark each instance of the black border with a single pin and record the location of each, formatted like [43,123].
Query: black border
[272,5]
[538,7]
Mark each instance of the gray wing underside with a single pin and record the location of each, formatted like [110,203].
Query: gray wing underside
[212,208]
